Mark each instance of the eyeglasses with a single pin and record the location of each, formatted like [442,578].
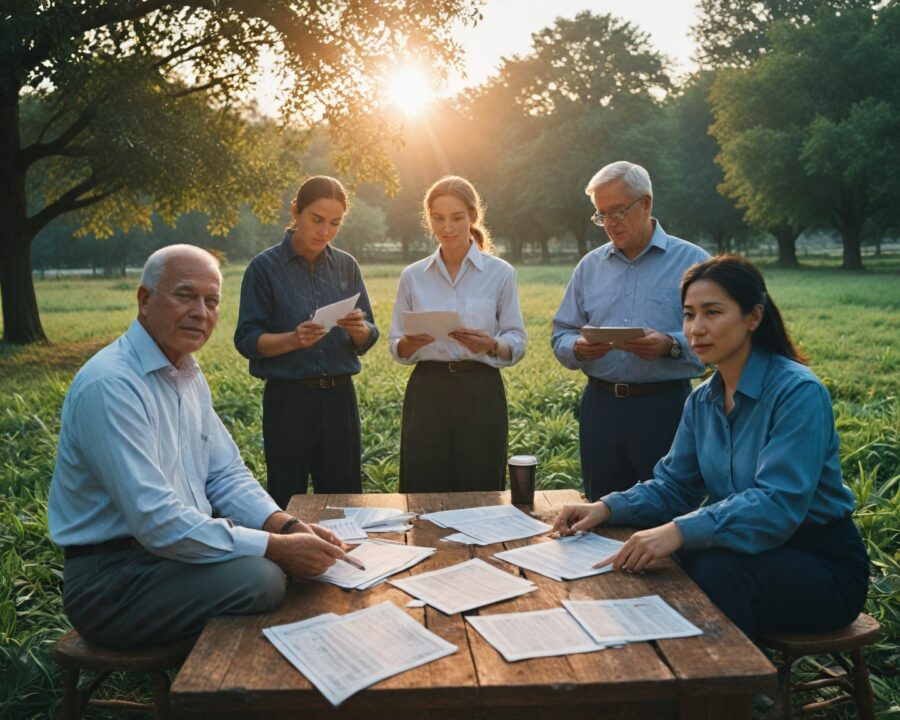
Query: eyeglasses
[601,218]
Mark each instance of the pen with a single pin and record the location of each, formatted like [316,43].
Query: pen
[352,561]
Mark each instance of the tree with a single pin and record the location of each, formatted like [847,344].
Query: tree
[687,180]
[109,108]
[810,133]
[734,33]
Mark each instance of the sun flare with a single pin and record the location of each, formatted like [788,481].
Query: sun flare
[409,90]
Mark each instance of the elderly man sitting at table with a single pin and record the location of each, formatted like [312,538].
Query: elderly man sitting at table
[162,524]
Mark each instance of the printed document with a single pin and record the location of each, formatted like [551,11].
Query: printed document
[630,620]
[345,528]
[437,323]
[564,559]
[541,633]
[464,586]
[615,336]
[381,560]
[343,654]
[328,315]
[376,519]
[489,524]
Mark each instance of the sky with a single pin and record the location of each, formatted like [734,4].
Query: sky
[507,27]
[508,24]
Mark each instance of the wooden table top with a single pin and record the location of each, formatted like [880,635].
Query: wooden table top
[234,671]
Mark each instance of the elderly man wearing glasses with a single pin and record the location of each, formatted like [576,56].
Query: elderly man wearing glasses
[636,391]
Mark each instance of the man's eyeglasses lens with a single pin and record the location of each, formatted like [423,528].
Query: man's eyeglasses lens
[601,218]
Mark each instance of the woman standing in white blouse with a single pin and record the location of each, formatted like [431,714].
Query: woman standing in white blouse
[454,432]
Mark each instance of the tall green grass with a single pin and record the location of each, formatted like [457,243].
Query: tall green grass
[846,323]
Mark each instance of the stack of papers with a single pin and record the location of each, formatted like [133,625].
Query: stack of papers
[488,525]
[381,561]
[328,315]
[541,633]
[437,323]
[375,519]
[630,620]
[345,528]
[464,586]
[564,559]
[582,626]
[342,654]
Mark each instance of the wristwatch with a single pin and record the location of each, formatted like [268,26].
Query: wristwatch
[675,351]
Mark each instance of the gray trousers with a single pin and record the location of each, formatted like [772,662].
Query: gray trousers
[131,597]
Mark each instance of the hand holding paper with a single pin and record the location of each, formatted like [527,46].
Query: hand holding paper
[328,315]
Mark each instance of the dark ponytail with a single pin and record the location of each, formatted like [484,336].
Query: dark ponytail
[744,283]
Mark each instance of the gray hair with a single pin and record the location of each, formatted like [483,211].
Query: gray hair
[156,263]
[635,177]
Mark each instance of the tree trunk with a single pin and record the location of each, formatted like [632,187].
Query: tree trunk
[786,237]
[852,253]
[581,240]
[545,250]
[21,319]
[852,217]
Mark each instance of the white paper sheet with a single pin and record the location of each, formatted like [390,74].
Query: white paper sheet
[630,620]
[564,559]
[617,336]
[377,519]
[464,586]
[450,518]
[345,528]
[437,323]
[328,315]
[342,655]
[503,529]
[463,539]
[381,561]
[541,633]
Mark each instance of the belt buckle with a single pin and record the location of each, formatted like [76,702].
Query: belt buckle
[450,367]
[619,393]
[326,382]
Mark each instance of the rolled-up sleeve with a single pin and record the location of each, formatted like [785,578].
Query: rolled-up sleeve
[366,306]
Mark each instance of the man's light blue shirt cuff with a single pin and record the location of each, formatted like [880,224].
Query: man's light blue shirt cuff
[249,542]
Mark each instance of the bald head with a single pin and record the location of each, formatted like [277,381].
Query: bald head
[178,299]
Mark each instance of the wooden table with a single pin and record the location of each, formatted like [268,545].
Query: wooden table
[235,672]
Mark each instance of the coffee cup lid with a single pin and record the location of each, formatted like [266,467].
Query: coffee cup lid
[523,460]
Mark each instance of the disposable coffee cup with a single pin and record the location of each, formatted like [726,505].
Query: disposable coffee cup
[522,469]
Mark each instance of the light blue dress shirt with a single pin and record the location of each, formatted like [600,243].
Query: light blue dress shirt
[767,468]
[609,290]
[483,293]
[142,453]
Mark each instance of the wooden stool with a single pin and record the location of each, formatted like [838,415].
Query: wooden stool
[854,679]
[76,654]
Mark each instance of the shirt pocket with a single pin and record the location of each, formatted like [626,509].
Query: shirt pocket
[480,314]
[602,307]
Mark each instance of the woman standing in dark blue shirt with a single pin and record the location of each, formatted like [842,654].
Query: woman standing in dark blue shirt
[774,546]
[310,414]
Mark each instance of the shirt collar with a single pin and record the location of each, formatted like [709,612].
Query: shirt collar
[659,239]
[752,377]
[151,358]
[287,251]
[474,256]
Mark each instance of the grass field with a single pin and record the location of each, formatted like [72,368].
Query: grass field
[847,323]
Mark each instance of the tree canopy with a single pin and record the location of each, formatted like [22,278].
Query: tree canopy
[109,108]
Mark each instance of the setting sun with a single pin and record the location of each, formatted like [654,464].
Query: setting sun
[409,90]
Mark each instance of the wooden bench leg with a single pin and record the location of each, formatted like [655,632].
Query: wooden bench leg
[862,688]
[70,709]
[160,682]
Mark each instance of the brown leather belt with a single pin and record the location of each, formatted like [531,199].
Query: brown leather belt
[627,390]
[322,382]
[457,366]
[117,545]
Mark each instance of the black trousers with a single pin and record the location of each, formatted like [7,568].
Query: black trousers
[311,431]
[622,439]
[817,581]
[453,435]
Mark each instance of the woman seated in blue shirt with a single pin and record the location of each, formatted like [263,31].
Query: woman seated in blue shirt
[774,545]
[310,415]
